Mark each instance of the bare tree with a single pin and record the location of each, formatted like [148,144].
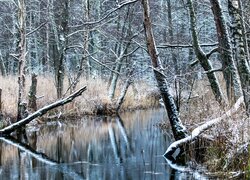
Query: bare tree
[21,59]
[178,129]
[203,57]
[60,33]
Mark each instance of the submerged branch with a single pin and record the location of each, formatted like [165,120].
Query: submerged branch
[9,129]
[41,157]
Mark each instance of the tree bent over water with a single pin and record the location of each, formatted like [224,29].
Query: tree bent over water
[178,129]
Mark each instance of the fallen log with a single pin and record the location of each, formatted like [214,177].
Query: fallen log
[9,129]
[197,131]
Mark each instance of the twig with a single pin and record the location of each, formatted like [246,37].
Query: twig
[37,28]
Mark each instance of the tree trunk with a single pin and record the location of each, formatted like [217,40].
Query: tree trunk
[239,50]
[32,93]
[46,63]
[202,57]
[1,110]
[125,89]
[86,39]
[114,78]
[121,50]
[171,37]
[22,59]
[2,65]
[61,44]
[179,130]
[230,72]
[84,64]
[244,35]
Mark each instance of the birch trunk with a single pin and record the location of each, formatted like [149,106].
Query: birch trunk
[230,72]
[244,32]
[2,65]
[178,129]
[239,50]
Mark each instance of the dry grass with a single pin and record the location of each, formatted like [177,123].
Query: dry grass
[228,150]
[93,101]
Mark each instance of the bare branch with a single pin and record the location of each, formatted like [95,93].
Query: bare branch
[184,45]
[211,52]
[212,71]
[194,63]
[36,29]
[102,64]
[119,6]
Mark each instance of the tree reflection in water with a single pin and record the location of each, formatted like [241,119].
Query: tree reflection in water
[126,147]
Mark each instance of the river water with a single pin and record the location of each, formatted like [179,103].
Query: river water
[119,148]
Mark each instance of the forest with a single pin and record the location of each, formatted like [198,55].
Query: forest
[120,83]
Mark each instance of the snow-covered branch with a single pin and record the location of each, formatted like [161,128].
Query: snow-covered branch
[197,131]
[109,13]
[185,45]
[9,129]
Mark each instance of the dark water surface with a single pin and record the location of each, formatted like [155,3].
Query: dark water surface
[129,147]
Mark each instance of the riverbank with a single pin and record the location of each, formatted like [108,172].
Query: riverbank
[223,149]
[94,100]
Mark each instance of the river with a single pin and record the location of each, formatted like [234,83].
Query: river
[112,148]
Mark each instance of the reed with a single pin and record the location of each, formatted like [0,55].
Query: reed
[94,101]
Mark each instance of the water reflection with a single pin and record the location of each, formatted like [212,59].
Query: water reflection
[126,147]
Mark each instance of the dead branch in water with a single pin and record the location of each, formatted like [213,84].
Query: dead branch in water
[41,157]
[197,131]
[9,129]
